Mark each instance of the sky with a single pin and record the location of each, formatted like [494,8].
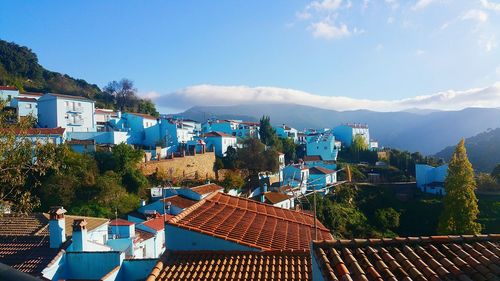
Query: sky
[336,54]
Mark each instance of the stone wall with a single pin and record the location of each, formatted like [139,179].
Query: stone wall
[187,167]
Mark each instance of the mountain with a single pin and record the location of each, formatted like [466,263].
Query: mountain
[483,150]
[427,133]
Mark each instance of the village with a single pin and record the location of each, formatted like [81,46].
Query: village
[267,228]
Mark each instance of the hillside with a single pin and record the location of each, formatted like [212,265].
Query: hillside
[483,150]
[19,67]
[427,132]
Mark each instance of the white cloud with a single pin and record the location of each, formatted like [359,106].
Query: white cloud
[421,4]
[365,4]
[490,5]
[150,95]
[304,15]
[325,29]
[390,20]
[234,95]
[394,4]
[476,15]
[325,5]
[488,43]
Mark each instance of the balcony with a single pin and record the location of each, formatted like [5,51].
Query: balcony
[76,121]
[74,109]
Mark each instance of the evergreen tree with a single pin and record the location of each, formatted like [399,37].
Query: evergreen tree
[460,203]
[266,131]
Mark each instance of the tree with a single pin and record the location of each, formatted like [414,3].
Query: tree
[266,131]
[460,207]
[22,163]
[123,92]
[289,149]
[232,180]
[255,157]
[496,173]
[125,157]
[230,160]
[387,218]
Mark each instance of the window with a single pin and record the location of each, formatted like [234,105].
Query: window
[66,103]
[28,105]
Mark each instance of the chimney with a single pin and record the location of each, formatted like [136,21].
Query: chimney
[79,235]
[57,231]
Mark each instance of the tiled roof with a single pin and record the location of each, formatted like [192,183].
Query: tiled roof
[22,225]
[250,223]
[179,201]
[207,188]
[313,158]
[276,197]
[31,94]
[29,254]
[218,135]
[120,222]
[8,88]
[157,224]
[233,265]
[146,116]
[414,258]
[25,99]
[141,235]
[317,170]
[35,131]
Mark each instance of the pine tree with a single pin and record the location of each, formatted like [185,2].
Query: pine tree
[460,202]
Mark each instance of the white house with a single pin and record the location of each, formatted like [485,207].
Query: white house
[219,142]
[74,113]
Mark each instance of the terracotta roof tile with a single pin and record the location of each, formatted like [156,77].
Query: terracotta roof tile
[275,197]
[233,265]
[22,225]
[31,94]
[157,224]
[120,222]
[80,142]
[26,99]
[179,201]
[217,135]
[29,254]
[141,235]
[412,258]
[8,88]
[35,131]
[313,158]
[250,223]
[317,170]
[146,116]
[207,188]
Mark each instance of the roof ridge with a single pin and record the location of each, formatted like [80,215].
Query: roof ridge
[190,209]
[441,239]
[321,226]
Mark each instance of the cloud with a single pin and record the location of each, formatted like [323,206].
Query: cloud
[421,4]
[325,5]
[233,95]
[304,15]
[419,52]
[325,29]
[476,15]
[365,4]
[488,43]
[394,4]
[390,20]
[490,5]
[498,70]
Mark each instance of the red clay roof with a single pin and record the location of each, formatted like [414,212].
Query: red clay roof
[35,131]
[25,99]
[313,158]
[22,225]
[31,94]
[412,258]
[317,170]
[146,116]
[207,188]
[179,201]
[80,142]
[29,254]
[275,197]
[157,224]
[250,223]
[120,222]
[8,88]
[233,265]
[218,135]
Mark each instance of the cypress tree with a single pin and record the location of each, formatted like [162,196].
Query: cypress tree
[460,203]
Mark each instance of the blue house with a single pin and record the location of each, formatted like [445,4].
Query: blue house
[346,133]
[25,106]
[219,142]
[320,178]
[431,179]
[323,145]
[39,135]
[285,131]
[296,176]
[74,113]
[237,128]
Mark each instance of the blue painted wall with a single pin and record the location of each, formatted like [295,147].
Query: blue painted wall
[91,265]
[135,270]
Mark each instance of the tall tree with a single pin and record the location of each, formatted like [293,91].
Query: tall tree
[266,131]
[460,202]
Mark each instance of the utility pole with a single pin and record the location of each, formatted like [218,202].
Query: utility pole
[315,224]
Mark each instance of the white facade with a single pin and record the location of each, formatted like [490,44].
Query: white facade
[75,114]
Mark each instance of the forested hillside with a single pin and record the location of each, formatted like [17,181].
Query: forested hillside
[19,67]
[483,150]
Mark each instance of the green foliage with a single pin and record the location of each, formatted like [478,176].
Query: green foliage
[232,180]
[135,182]
[256,158]
[289,148]
[266,131]
[123,95]
[125,157]
[486,182]
[387,218]
[230,160]
[496,173]
[460,203]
